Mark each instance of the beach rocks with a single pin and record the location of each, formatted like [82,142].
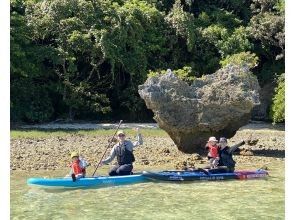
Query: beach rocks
[191,162]
[214,105]
[156,151]
[252,142]
[245,152]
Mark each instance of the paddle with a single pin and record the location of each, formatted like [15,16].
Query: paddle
[107,147]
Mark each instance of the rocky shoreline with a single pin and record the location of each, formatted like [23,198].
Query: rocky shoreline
[265,144]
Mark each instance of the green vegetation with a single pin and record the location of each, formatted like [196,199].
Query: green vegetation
[38,133]
[278,106]
[81,59]
[184,74]
[243,58]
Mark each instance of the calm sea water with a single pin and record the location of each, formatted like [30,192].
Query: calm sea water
[251,199]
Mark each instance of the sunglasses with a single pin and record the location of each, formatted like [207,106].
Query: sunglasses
[121,135]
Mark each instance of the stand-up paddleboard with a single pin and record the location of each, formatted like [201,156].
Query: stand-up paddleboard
[101,181]
[174,175]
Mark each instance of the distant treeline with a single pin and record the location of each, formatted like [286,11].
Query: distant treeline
[84,59]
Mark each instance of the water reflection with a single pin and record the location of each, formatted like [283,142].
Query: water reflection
[251,199]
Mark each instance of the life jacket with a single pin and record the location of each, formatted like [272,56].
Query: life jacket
[213,151]
[123,155]
[226,158]
[77,168]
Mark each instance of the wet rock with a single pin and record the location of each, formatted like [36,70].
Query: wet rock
[181,165]
[246,153]
[61,139]
[264,152]
[112,140]
[40,140]
[19,157]
[196,157]
[188,163]
[193,160]
[261,147]
[252,142]
[260,111]
[214,105]
[264,167]
[145,162]
[166,151]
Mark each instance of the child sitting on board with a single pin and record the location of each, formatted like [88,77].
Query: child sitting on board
[78,166]
[213,154]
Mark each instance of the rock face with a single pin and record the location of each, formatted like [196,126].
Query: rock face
[214,105]
[261,111]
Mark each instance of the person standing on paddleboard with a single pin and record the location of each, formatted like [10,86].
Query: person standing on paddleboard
[123,151]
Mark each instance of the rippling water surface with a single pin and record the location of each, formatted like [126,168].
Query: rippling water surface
[251,199]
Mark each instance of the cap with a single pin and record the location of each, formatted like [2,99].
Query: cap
[120,132]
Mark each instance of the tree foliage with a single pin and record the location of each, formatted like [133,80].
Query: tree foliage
[278,106]
[82,59]
[241,59]
[184,74]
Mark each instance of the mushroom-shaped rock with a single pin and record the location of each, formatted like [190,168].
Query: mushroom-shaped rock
[214,105]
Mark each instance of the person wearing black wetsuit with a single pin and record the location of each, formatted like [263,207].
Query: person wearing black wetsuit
[226,162]
[226,154]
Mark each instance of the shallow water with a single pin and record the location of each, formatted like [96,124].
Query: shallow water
[249,199]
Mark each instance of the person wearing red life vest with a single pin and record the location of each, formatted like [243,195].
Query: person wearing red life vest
[213,154]
[78,167]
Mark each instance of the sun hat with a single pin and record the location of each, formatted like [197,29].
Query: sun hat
[74,154]
[212,139]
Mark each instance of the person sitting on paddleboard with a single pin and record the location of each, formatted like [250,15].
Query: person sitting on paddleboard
[123,151]
[78,166]
[213,154]
[226,154]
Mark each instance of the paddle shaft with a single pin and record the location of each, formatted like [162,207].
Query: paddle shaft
[107,147]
